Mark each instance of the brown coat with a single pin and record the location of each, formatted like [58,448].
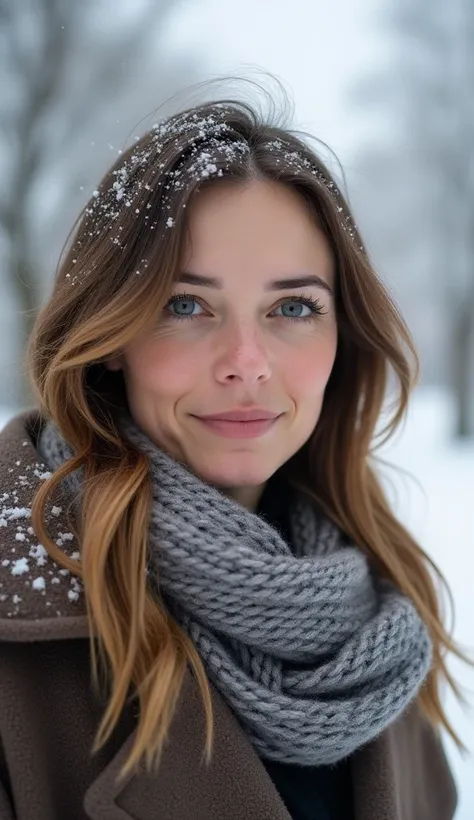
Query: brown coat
[49,713]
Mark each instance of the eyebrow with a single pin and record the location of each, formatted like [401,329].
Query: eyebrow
[188,278]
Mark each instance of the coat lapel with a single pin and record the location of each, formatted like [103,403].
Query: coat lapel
[235,785]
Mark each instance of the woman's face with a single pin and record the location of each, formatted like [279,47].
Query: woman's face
[240,341]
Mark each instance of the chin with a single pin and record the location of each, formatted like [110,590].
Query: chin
[237,474]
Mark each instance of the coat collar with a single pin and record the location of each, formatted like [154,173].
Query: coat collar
[40,602]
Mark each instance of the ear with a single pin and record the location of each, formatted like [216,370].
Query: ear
[115,363]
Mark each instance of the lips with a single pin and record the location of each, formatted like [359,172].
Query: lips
[239,429]
[257,414]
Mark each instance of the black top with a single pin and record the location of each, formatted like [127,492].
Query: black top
[309,792]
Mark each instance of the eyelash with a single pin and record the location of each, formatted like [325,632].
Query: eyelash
[313,304]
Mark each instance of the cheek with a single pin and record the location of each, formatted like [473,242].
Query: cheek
[310,370]
[159,367]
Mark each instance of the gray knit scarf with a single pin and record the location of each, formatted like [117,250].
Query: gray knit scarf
[315,655]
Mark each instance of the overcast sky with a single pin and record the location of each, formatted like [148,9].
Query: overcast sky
[319,49]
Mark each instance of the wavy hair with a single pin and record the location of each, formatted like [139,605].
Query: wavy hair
[114,277]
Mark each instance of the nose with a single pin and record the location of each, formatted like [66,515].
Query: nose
[241,356]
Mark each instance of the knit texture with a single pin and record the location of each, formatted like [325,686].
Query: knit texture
[314,653]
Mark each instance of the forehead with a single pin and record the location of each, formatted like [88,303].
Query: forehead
[262,227]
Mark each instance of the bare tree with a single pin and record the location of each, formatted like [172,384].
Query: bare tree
[70,71]
[425,171]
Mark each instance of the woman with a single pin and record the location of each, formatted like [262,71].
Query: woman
[211,564]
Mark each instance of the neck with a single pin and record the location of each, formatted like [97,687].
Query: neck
[248,497]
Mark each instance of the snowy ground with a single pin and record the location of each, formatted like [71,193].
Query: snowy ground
[437,505]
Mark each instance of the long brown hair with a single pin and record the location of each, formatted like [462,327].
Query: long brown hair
[114,278]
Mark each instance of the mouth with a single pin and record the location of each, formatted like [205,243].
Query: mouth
[239,429]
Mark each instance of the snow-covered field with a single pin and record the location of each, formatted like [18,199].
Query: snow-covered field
[437,505]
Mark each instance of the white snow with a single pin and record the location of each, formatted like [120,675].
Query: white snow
[437,505]
[43,475]
[20,567]
[39,553]
[13,513]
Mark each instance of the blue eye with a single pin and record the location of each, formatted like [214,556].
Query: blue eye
[314,306]
[182,300]
[296,306]
[185,301]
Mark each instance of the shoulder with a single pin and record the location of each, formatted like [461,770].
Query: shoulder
[38,598]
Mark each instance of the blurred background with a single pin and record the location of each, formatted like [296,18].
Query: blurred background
[387,84]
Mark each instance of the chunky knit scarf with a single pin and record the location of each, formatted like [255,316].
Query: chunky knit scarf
[313,652]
